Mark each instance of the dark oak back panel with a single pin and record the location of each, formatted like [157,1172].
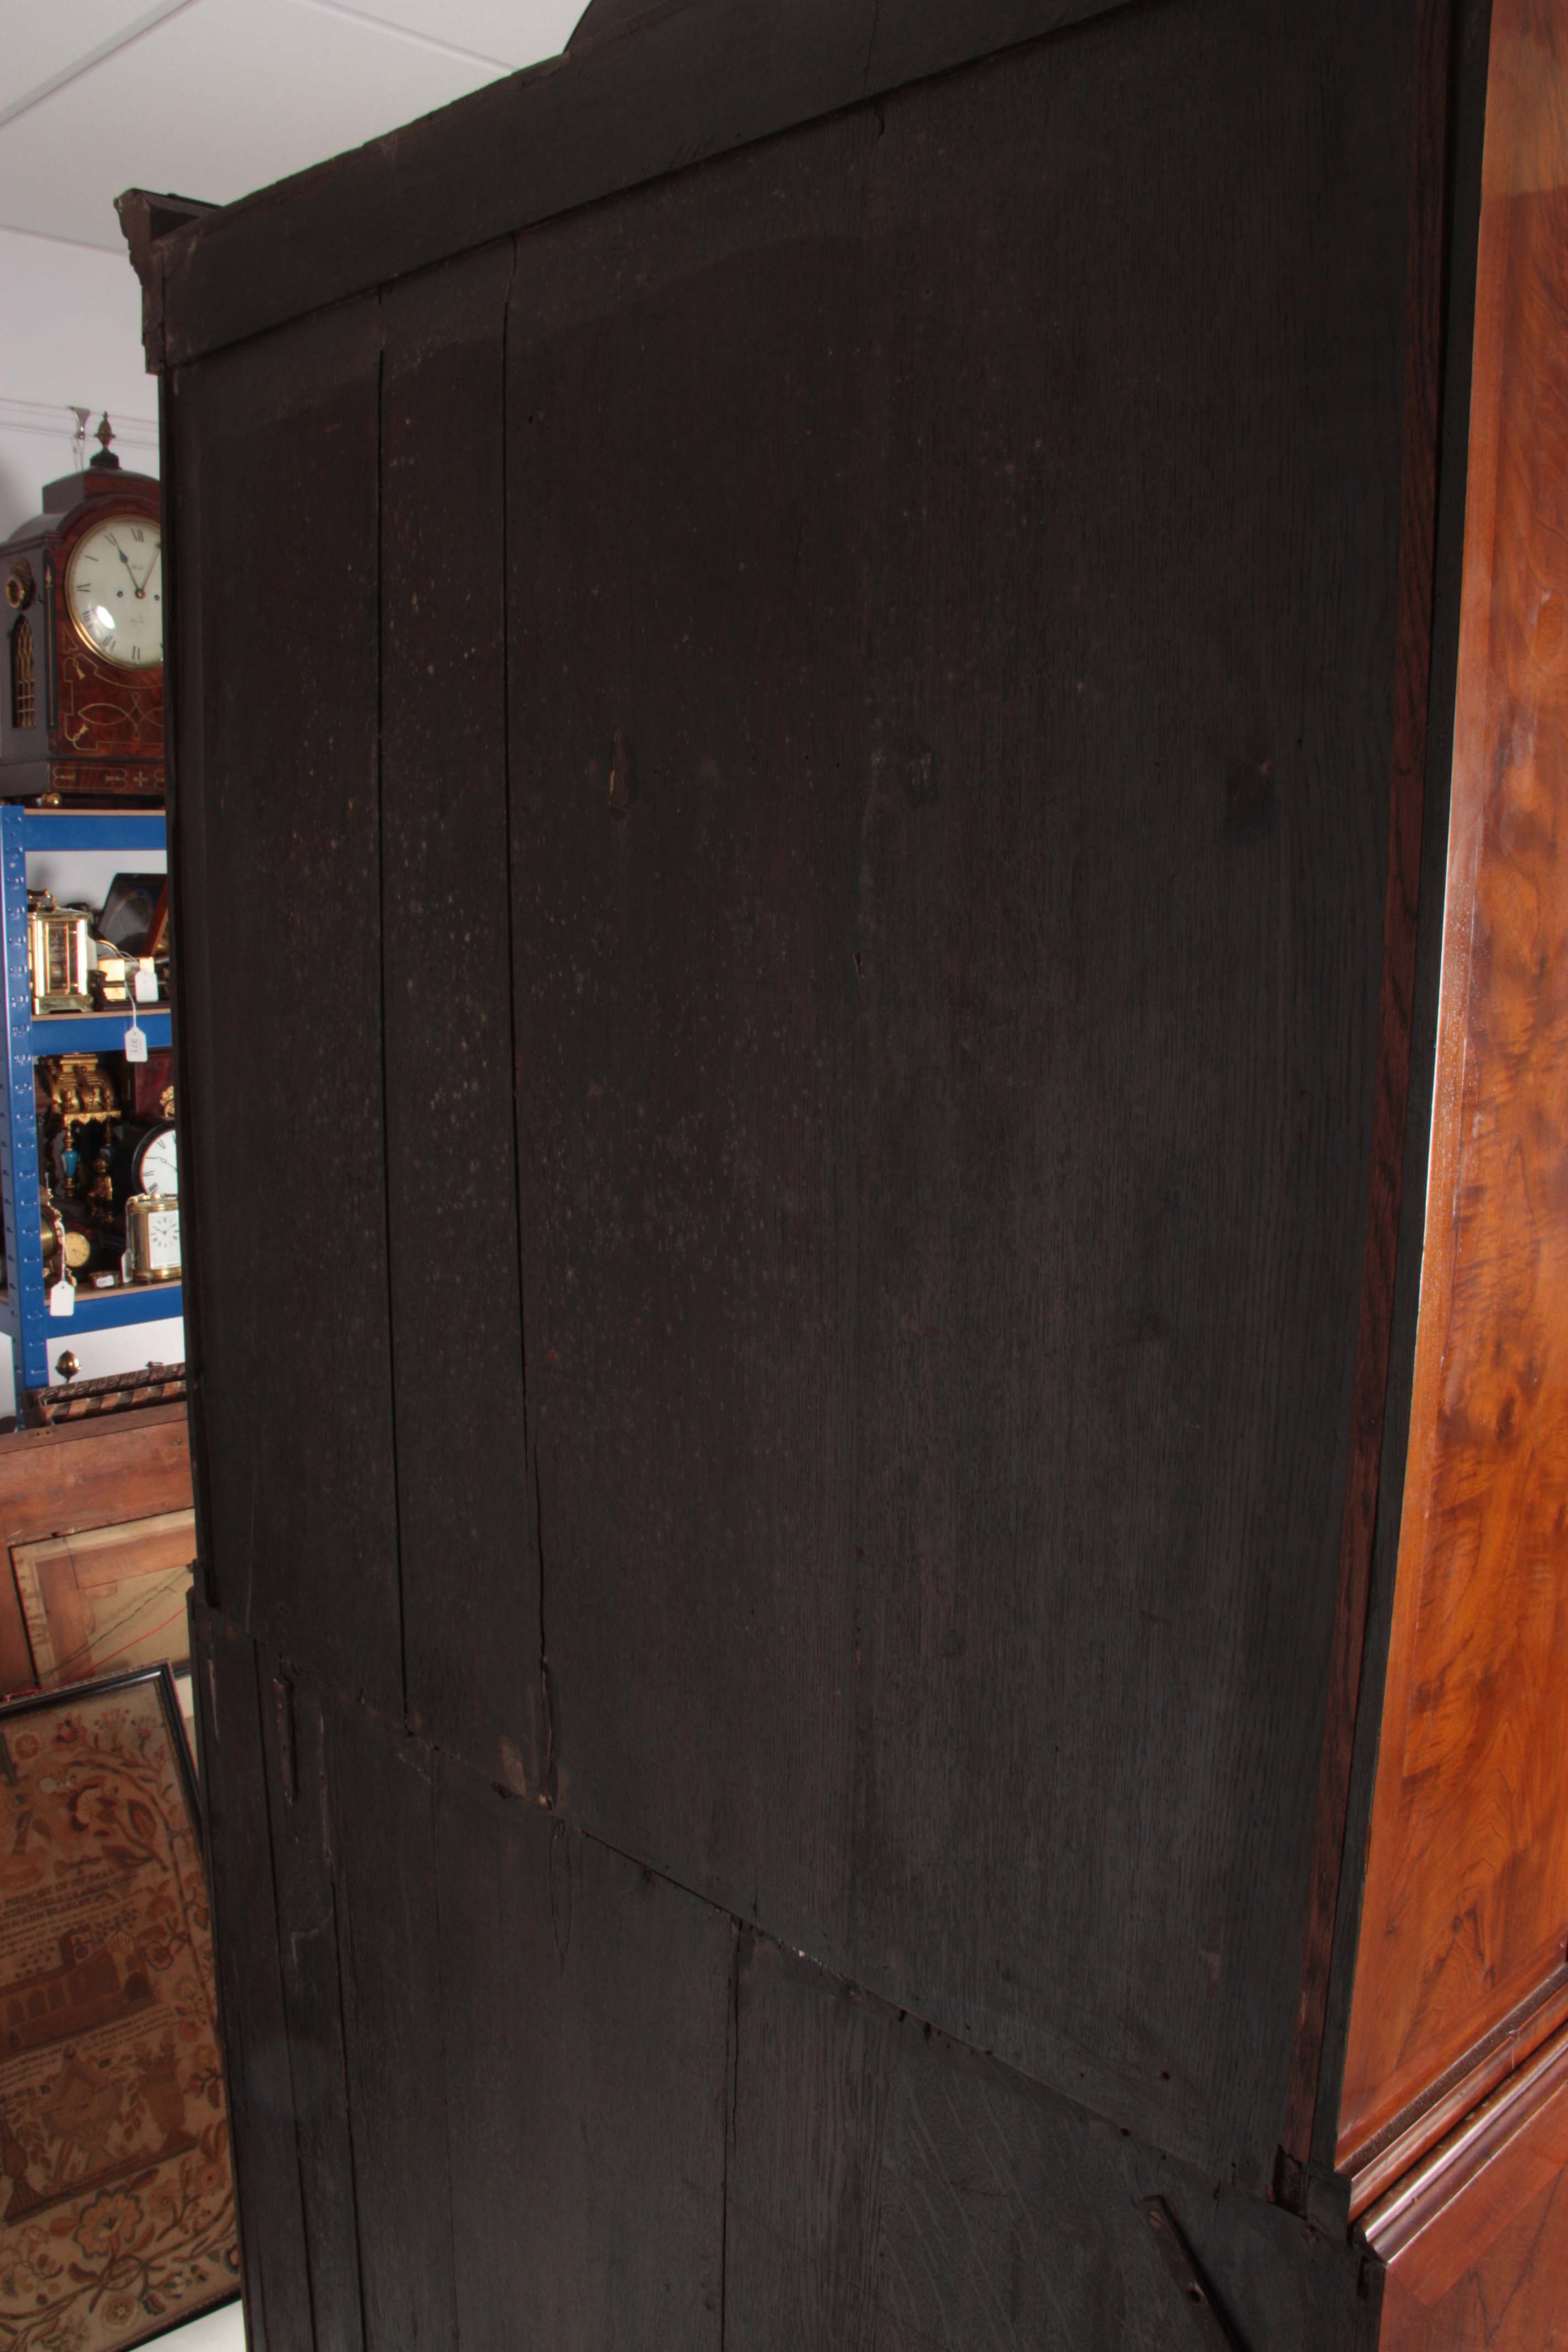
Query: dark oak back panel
[623,2120]
[956,2204]
[703,77]
[687,476]
[278,833]
[788,981]
[946,1022]
[471,1636]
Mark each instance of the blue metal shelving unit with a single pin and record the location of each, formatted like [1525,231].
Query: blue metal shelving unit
[24,1311]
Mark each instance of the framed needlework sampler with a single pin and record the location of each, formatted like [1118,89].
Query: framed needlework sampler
[115,2199]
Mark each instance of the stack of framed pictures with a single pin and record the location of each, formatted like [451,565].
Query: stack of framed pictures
[109,1598]
[117,2215]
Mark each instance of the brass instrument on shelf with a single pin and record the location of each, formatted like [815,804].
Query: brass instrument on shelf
[152,1237]
[57,956]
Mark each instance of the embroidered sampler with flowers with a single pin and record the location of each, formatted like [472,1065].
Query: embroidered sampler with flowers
[116,2202]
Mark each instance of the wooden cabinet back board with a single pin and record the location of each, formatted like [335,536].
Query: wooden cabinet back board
[827,875]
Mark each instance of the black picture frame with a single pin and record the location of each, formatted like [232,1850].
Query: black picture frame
[131,911]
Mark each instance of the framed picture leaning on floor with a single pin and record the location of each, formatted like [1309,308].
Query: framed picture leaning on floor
[116,2198]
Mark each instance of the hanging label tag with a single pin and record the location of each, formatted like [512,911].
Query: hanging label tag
[146,983]
[62,1298]
[135,1042]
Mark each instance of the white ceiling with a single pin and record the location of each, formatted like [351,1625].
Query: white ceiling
[214,98]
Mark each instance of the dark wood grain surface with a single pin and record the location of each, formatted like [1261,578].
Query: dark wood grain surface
[888,2191]
[248,1947]
[294,1731]
[814,876]
[588,2110]
[489,2059]
[1468,85]
[282,1029]
[394,1978]
[947,1049]
[1463,1913]
[1424,286]
[587,2064]
[471,1641]
[189,933]
[705,79]
[686,945]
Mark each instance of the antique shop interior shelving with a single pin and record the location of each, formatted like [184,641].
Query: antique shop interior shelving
[113,1330]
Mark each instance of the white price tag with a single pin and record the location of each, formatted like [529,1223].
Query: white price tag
[135,1042]
[62,1298]
[146,984]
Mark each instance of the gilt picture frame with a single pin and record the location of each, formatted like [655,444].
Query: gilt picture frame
[117,2213]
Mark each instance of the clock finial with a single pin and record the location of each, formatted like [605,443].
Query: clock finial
[106,461]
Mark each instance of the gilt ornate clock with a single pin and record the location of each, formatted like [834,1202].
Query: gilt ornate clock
[81,714]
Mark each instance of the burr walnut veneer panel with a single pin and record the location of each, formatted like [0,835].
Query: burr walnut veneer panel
[1477,2242]
[1466,1901]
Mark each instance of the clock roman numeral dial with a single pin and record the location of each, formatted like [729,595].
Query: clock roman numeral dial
[111,595]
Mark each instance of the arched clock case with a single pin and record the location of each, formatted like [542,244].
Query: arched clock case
[81,711]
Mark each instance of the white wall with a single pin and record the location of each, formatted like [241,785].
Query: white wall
[71,338]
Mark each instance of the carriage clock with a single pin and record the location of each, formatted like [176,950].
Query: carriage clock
[81,713]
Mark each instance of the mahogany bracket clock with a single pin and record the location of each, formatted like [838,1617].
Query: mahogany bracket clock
[81,713]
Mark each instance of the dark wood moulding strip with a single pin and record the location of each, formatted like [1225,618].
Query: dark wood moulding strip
[1508,2048]
[672,89]
[1450,2167]
[1430,133]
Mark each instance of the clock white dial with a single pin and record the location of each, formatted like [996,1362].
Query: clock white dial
[163,1240]
[157,1165]
[114,589]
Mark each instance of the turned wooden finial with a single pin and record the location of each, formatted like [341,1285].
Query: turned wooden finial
[105,458]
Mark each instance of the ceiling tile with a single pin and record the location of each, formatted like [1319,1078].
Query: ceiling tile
[222,98]
[73,327]
[515,32]
[41,43]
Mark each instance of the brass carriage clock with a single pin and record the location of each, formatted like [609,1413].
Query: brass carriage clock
[81,713]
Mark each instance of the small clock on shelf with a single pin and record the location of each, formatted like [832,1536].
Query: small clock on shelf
[151,1237]
[54,1233]
[155,1162]
[81,714]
